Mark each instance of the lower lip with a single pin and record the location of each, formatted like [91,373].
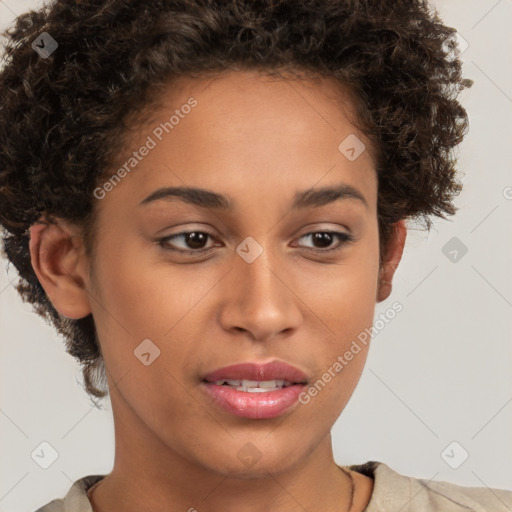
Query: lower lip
[257,405]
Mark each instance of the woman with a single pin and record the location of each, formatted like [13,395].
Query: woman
[213,199]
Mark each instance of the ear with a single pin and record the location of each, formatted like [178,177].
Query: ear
[391,259]
[59,261]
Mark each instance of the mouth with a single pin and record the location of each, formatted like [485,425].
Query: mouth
[253,376]
[256,391]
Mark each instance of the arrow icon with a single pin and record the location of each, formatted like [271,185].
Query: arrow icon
[351,147]
[146,352]
[454,455]
[249,252]
[44,455]
[44,45]
[454,249]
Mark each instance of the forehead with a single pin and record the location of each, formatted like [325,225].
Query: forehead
[244,131]
[301,103]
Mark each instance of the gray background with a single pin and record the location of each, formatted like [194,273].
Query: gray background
[439,372]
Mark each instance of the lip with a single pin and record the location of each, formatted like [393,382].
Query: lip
[258,371]
[253,405]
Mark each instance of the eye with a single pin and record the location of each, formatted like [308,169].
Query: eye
[325,238]
[195,241]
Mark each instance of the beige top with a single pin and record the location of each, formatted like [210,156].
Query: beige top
[392,492]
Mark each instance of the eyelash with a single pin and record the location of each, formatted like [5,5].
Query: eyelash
[344,238]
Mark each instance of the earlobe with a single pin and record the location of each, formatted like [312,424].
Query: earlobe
[391,260]
[58,260]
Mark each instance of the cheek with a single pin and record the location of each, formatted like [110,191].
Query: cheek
[145,297]
[344,296]
[138,293]
[344,301]
[140,301]
[341,353]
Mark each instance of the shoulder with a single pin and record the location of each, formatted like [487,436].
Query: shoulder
[394,491]
[76,499]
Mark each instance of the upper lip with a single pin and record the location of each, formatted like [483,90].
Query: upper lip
[258,372]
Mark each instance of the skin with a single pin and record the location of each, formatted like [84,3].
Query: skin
[258,141]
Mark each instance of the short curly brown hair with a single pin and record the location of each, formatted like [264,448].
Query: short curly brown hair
[62,118]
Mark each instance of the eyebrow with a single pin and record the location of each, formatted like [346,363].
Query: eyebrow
[208,199]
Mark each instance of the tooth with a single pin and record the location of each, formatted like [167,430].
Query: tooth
[254,386]
[271,383]
[249,383]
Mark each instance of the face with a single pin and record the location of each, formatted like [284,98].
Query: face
[185,285]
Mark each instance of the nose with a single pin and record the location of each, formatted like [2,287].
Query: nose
[260,299]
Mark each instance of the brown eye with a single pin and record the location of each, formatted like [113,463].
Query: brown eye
[326,238]
[194,241]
